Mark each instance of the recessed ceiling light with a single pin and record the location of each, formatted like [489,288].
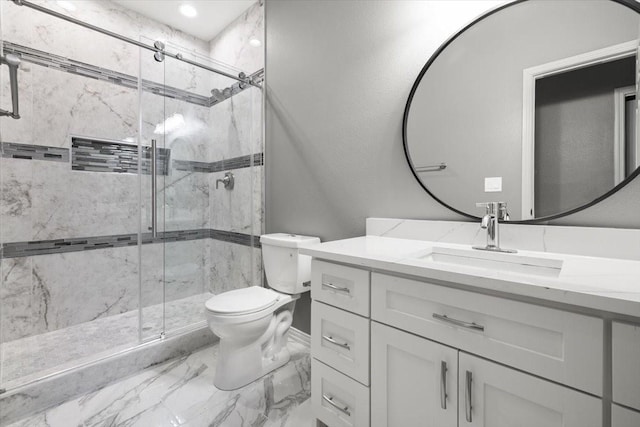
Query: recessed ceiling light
[67,5]
[255,42]
[188,11]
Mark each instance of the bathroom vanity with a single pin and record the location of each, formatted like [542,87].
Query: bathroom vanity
[411,326]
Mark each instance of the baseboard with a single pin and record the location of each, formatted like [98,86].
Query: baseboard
[300,337]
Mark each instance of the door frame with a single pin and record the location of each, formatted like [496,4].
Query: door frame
[529,77]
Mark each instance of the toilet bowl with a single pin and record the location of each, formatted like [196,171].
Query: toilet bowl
[252,323]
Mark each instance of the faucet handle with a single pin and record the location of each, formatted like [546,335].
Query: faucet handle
[495,208]
[491,207]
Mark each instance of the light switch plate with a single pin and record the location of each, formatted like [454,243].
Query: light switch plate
[493,184]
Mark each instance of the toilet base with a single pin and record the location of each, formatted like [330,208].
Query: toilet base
[276,361]
[242,360]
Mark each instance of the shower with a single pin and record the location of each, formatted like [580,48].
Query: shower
[112,232]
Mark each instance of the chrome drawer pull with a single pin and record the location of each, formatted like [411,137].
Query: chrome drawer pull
[336,288]
[468,325]
[467,397]
[443,384]
[344,410]
[333,341]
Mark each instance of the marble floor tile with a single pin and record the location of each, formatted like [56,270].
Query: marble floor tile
[180,392]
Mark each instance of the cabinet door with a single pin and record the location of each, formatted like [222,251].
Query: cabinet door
[624,417]
[413,380]
[492,395]
[626,364]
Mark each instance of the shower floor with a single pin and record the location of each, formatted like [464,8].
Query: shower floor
[180,392]
[29,358]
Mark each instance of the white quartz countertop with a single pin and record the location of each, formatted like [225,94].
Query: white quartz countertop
[606,284]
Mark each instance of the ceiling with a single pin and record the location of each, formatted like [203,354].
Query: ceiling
[213,15]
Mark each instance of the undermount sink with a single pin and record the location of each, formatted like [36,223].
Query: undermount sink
[500,261]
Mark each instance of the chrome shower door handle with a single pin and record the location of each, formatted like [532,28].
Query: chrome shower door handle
[468,407]
[443,384]
[13,62]
[154,192]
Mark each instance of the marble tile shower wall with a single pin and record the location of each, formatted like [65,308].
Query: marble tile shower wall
[231,46]
[45,200]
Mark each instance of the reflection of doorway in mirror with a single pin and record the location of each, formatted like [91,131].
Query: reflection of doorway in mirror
[569,124]
[625,142]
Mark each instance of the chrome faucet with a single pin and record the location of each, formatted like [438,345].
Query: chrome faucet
[495,212]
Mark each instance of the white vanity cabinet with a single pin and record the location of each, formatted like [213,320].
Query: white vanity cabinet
[444,356]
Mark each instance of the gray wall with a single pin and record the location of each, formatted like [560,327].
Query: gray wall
[338,77]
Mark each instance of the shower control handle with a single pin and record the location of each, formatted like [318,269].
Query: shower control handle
[228,181]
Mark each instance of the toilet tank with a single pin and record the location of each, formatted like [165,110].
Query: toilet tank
[286,269]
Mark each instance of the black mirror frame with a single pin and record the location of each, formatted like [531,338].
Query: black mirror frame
[631,4]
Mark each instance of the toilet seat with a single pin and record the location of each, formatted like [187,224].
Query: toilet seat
[242,301]
[245,305]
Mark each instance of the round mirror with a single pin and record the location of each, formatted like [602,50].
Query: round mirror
[533,104]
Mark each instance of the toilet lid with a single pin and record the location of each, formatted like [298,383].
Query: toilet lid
[242,301]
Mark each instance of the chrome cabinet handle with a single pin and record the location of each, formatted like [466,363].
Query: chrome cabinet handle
[467,396]
[443,384]
[344,410]
[468,325]
[336,288]
[333,341]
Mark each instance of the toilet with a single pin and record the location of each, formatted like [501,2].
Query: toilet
[252,323]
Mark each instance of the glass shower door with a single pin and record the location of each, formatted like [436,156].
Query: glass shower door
[207,192]
[69,271]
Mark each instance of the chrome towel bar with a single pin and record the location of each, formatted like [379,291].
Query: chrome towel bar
[13,62]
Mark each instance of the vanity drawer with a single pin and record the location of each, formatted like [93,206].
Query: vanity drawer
[343,287]
[624,417]
[337,400]
[626,364]
[562,346]
[341,339]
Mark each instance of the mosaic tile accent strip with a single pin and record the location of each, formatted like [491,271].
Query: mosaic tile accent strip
[111,156]
[191,166]
[45,247]
[220,165]
[14,150]
[61,63]
[233,237]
